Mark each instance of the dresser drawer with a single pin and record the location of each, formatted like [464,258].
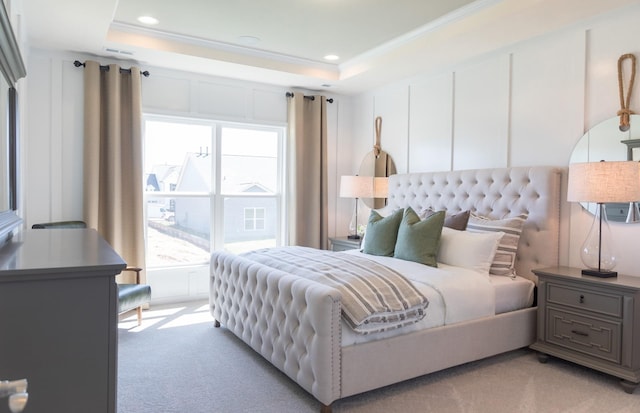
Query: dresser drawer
[594,336]
[597,302]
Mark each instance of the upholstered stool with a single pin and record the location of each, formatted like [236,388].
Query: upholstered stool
[133,296]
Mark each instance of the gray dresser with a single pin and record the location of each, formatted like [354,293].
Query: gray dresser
[591,321]
[58,321]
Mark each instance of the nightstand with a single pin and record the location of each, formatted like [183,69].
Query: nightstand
[344,243]
[590,321]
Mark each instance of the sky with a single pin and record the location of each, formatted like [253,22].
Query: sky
[166,143]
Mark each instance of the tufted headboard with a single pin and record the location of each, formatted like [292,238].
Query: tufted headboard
[494,193]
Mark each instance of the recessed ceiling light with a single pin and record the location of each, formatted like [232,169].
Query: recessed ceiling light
[148,20]
[248,40]
[331,57]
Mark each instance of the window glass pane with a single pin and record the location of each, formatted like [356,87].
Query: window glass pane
[177,156]
[178,231]
[249,161]
[249,219]
[242,234]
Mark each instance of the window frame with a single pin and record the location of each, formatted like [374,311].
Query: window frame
[216,198]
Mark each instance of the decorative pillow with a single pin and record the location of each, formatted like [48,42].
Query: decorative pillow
[383,212]
[455,221]
[418,240]
[505,258]
[472,250]
[381,234]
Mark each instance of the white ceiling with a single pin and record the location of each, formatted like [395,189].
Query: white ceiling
[378,41]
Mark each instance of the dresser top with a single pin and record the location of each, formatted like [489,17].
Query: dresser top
[572,273]
[57,251]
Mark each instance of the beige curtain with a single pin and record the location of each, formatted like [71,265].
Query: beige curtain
[113,158]
[307,171]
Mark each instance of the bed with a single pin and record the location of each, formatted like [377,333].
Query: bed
[297,325]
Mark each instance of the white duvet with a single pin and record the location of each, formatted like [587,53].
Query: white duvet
[455,294]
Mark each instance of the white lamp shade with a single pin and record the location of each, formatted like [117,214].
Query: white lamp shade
[356,186]
[380,187]
[603,182]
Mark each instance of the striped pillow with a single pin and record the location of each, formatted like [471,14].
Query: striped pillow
[505,258]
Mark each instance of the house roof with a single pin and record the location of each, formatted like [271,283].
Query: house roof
[195,176]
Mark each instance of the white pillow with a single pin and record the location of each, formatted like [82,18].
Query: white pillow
[471,250]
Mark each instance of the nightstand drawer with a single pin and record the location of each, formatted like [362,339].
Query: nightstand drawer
[344,243]
[596,337]
[597,302]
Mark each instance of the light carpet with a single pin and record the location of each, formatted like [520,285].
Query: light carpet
[178,362]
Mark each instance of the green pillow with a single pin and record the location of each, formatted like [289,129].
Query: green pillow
[419,240]
[380,238]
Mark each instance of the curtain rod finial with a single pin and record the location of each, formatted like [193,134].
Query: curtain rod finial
[78,63]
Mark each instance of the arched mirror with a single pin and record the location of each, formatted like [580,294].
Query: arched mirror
[606,141]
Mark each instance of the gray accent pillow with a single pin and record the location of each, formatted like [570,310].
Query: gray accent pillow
[381,234]
[454,221]
[418,240]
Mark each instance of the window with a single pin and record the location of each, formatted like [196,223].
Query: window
[210,185]
[254,219]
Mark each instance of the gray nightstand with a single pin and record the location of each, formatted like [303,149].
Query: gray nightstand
[344,243]
[590,321]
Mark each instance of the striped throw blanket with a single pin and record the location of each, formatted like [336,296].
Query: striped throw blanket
[374,298]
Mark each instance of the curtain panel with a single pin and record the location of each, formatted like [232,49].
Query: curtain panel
[113,203]
[307,178]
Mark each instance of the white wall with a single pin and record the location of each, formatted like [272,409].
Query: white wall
[52,139]
[525,105]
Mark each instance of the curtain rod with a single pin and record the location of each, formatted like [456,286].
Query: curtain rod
[78,63]
[290,95]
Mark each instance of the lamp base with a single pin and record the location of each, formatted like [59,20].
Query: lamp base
[356,236]
[601,274]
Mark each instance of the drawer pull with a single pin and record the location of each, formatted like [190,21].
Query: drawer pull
[581,299]
[580,333]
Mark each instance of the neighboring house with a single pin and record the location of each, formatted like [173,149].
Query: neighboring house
[246,218]
[250,218]
[162,178]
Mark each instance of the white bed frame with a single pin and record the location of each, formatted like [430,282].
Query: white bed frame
[295,323]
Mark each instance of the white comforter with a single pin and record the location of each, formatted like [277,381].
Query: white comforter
[455,294]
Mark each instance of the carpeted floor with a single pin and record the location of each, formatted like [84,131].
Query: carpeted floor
[178,362]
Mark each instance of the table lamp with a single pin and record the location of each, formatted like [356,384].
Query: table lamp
[355,187]
[602,182]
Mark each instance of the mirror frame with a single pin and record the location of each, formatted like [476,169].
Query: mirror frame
[12,67]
